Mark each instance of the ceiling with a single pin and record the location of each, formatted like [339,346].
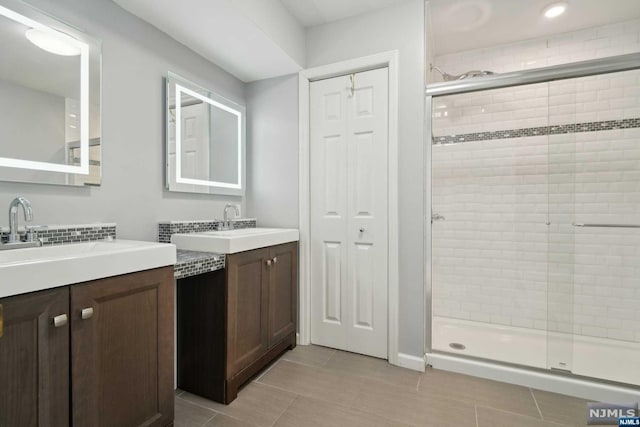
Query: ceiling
[459,25]
[258,39]
[225,32]
[315,12]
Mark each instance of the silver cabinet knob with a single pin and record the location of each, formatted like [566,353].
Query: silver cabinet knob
[60,320]
[269,263]
[86,313]
[275,259]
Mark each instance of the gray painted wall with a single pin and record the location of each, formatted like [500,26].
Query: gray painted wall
[136,57]
[402,28]
[272,151]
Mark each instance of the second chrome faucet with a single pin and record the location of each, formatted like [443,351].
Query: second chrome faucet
[227,224]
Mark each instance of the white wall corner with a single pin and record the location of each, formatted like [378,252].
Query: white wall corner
[277,23]
[415,363]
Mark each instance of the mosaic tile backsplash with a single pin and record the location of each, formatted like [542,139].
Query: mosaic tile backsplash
[190,263]
[63,234]
[167,228]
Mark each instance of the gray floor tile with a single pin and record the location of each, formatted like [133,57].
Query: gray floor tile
[562,409]
[188,414]
[222,420]
[489,417]
[315,386]
[372,368]
[257,404]
[413,408]
[313,382]
[309,412]
[313,355]
[507,397]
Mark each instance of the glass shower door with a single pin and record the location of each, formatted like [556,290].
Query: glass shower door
[536,225]
[594,237]
[489,224]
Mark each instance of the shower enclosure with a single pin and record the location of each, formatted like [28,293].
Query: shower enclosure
[535,201]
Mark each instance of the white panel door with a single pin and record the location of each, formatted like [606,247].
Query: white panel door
[349,280]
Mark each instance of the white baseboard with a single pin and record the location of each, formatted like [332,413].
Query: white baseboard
[572,386]
[408,361]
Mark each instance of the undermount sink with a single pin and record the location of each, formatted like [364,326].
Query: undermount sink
[33,269]
[234,241]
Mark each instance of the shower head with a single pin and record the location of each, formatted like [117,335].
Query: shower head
[450,77]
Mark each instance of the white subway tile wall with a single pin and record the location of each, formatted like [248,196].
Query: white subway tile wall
[495,259]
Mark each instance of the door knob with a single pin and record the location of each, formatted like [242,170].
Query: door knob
[60,320]
[86,313]
[275,259]
[269,263]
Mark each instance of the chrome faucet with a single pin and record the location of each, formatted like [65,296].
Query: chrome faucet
[227,222]
[14,237]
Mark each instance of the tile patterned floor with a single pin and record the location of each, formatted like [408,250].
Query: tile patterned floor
[316,386]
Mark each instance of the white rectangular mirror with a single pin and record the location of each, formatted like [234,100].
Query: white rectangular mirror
[205,150]
[49,100]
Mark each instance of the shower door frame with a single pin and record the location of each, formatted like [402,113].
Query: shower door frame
[587,68]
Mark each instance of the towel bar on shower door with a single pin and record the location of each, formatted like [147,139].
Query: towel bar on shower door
[606,225]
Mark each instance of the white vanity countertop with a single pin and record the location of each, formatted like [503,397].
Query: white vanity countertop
[234,241]
[33,269]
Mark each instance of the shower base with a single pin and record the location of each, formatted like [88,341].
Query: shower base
[598,358]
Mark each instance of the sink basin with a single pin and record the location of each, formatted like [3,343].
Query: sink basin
[33,269]
[233,241]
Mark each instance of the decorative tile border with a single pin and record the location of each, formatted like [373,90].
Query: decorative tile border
[167,228]
[64,234]
[538,131]
[190,263]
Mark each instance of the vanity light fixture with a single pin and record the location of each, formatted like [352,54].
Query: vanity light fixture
[51,42]
[179,178]
[555,9]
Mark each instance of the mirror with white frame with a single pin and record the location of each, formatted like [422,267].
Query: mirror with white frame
[205,146]
[49,100]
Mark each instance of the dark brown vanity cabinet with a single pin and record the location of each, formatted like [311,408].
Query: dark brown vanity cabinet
[283,292]
[98,353]
[34,359]
[233,322]
[122,350]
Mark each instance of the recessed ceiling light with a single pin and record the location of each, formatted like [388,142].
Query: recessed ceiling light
[51,43]
[555,9]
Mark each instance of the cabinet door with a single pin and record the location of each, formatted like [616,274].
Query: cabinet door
[34,360]
[122,350]
[283,287]
[247,300]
